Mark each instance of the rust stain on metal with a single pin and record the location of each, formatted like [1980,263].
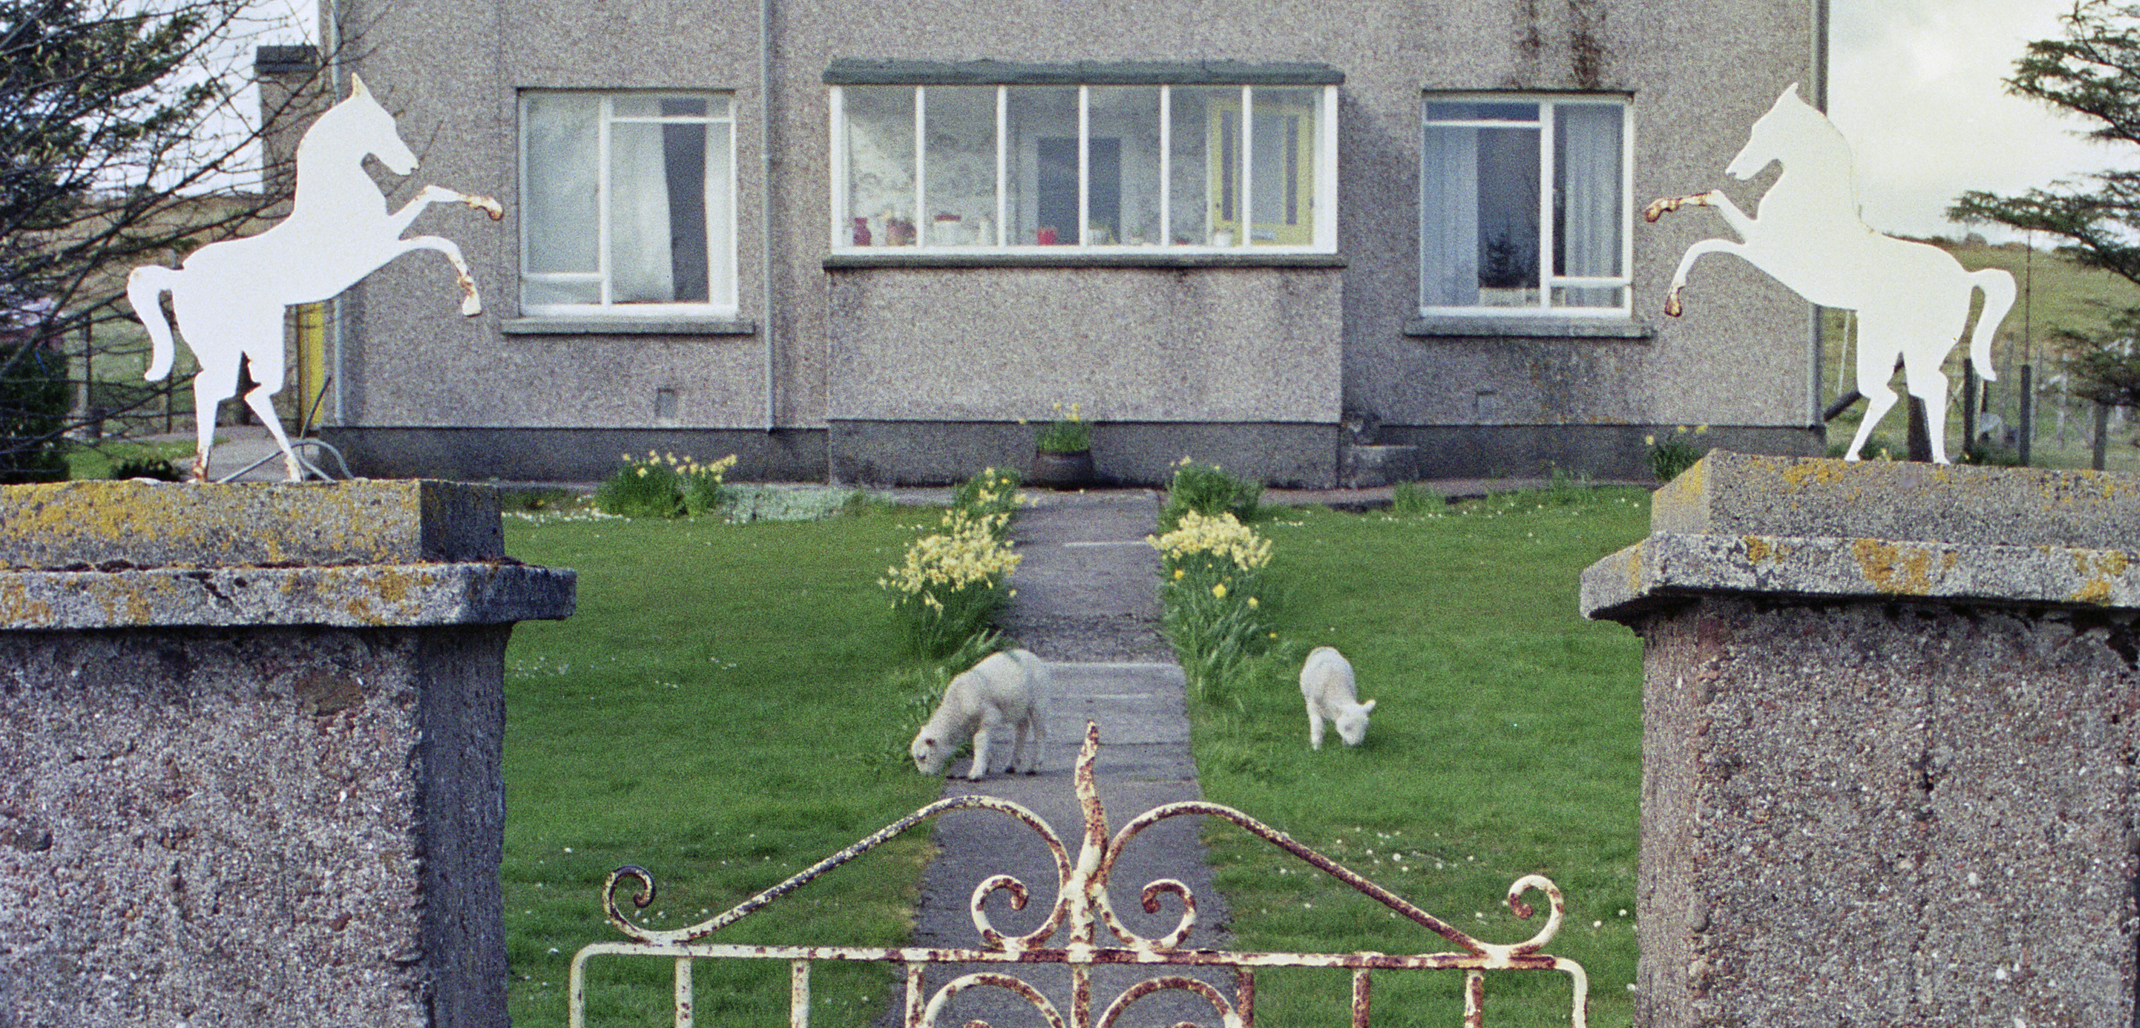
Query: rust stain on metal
[1084,905]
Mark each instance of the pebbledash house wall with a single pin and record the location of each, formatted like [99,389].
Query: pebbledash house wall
[876,368]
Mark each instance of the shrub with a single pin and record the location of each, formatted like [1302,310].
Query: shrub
[1213,618]
[664,486]
[146,467]
[33,408]
[1068,433]
[1673,453]
[1208,490]
[952,582]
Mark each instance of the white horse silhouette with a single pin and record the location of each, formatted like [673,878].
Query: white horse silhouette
[229,297]
[1912,299]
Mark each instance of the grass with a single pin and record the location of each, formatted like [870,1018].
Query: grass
[86,461]
[719,712]
[2058,294]
[1507,741]
[730,704]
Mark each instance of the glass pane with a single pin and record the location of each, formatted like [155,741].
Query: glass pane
[1192,201]
[646,105]
[1042,128]
[1449,218]
[720,200]
[880,164]
[656,214]
[1590,296]
[1480,110]
[961,164]
[561,206]
[1508,217]
[541,292]
[1282,167]
[1479,217]
[1588,208]
[1123,203]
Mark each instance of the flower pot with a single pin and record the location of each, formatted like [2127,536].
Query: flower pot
[1060,470]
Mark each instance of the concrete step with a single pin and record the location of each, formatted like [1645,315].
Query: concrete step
[1362,466]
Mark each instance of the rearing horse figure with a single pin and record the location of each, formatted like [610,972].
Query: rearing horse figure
[229,296]
[1912,299]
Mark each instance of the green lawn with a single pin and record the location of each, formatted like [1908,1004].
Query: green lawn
[1506,741]
[724,710]
[2052,293]
[730,703]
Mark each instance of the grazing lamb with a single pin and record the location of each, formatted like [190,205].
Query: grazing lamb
[1004,691]
[1326,682]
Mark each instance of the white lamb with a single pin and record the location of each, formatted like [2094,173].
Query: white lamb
[1006,690]
[1326,683]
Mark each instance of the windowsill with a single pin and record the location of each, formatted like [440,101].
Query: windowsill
[1157,259]
[552,325]
[1530,327]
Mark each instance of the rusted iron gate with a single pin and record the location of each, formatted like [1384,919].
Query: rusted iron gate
[1082,905]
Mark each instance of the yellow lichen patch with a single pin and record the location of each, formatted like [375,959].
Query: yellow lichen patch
[1634,568]
[1758,549]
[19,610]
[1894,567]
[1804,473]
[2099,568]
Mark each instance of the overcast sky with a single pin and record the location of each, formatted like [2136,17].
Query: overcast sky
[1917,86]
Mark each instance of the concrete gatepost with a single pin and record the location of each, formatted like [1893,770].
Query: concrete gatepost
[249,752]
[1888,742]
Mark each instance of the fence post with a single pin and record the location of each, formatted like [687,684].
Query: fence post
[1888,718]
[2027,438]
[251,771]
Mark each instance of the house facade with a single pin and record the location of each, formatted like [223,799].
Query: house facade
[1314,243]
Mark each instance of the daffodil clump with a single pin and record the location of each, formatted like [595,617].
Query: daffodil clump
[989,493]
[1210,571]
[1068,433]
[1209,490]
[1675,452]
[664,485]
[953,581]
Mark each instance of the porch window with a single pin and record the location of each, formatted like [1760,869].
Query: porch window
[1525,206]
[628,203]
[1084,167]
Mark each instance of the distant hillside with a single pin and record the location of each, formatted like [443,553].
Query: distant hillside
[2052,292]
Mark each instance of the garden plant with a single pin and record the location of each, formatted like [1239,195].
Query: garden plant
[1210,569]
[1069,432]
[663,485]
[1207,489]
[954,581]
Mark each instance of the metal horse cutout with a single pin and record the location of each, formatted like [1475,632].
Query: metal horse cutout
[1912,299]
[229,296]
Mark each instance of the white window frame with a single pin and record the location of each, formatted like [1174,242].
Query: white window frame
[1324,200]
[720,238]
[1548,165]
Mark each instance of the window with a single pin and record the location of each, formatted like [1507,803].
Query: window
[1524,206]
[628,203]
[1095,166]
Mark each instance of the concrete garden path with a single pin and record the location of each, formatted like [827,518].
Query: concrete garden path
[1088,604]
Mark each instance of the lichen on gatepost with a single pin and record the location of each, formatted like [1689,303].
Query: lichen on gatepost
[254,732]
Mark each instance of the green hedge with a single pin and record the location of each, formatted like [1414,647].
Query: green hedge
[33,411]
